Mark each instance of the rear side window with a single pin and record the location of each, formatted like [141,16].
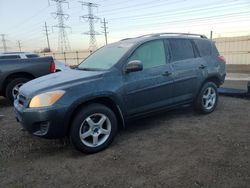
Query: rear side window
[181,49]
[151,54]
[32,56]
[10,57]
[204,47]
[215,51]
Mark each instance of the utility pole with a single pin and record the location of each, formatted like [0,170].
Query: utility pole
[47,35]
[105,30]
[91,18]
[63,41]
[4,42]
[211,35]
[19,45]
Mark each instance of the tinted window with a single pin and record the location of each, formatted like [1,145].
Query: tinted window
[204,47]
[151,54]
[10,57]
[181,49]
[214,49]
[32,56]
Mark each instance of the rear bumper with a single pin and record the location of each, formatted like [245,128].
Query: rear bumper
[45,122]
[222,80]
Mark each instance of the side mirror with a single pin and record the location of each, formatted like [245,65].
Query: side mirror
[134,66]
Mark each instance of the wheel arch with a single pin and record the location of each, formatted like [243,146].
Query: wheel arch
[215,79]
[104,100]
[13,76]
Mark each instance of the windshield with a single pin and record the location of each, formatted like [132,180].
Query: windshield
[104,58]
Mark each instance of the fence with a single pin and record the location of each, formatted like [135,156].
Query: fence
[70,58]
[235,49]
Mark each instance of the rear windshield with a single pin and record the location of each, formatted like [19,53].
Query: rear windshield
[204,47]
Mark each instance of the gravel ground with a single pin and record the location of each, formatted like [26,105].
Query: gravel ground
[174,149]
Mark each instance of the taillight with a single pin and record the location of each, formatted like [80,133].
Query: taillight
[222,58]
[52,67]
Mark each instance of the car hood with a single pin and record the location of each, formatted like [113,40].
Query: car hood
[58,80]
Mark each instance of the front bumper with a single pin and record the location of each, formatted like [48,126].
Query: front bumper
[48,122]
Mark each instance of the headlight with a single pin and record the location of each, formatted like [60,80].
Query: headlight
[46,99]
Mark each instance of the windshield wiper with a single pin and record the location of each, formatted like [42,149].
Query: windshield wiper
[89,69]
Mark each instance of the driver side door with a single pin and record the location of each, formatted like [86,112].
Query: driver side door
[151,88]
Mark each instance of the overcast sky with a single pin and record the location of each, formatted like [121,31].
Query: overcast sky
[24,20]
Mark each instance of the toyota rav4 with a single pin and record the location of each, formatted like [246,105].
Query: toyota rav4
[132,78]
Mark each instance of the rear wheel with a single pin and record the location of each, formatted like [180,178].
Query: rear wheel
[13,87]
[93,129]
[207,99]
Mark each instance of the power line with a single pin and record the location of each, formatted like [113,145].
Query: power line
[176,12]
[91,18]
[195,24]
[4,43]
[27,20]
[181,21]
[105,30]
[63,41]
[149,4]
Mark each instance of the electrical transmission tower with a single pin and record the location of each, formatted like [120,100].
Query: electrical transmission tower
[4,42]
[91,18]
[63,41]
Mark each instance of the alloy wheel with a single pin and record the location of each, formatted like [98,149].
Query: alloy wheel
[209,98]
[15,90]
[95,130]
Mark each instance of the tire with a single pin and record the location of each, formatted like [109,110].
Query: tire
[207,99]
[13,86]
[97,125]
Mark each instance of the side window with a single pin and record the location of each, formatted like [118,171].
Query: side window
[181,49]
[204,47]
[10,57]
[32,56]
[151,54]
[214,50]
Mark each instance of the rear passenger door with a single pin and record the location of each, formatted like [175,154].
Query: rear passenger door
[206,59]
[186,69]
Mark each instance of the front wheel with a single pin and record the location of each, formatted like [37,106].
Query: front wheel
[93,128]
[13,86]
[207,99]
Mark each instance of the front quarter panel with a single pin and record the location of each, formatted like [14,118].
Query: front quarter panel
[109,86]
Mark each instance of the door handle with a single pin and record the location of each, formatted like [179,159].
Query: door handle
[166,73]
[202,66]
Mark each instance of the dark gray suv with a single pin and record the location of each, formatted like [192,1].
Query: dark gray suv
[132,78]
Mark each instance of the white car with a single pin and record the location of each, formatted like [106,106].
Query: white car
[60,66]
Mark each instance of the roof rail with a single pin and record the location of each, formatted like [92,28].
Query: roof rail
[185,34]
[161,34]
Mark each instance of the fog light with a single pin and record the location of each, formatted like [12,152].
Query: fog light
[44,128]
